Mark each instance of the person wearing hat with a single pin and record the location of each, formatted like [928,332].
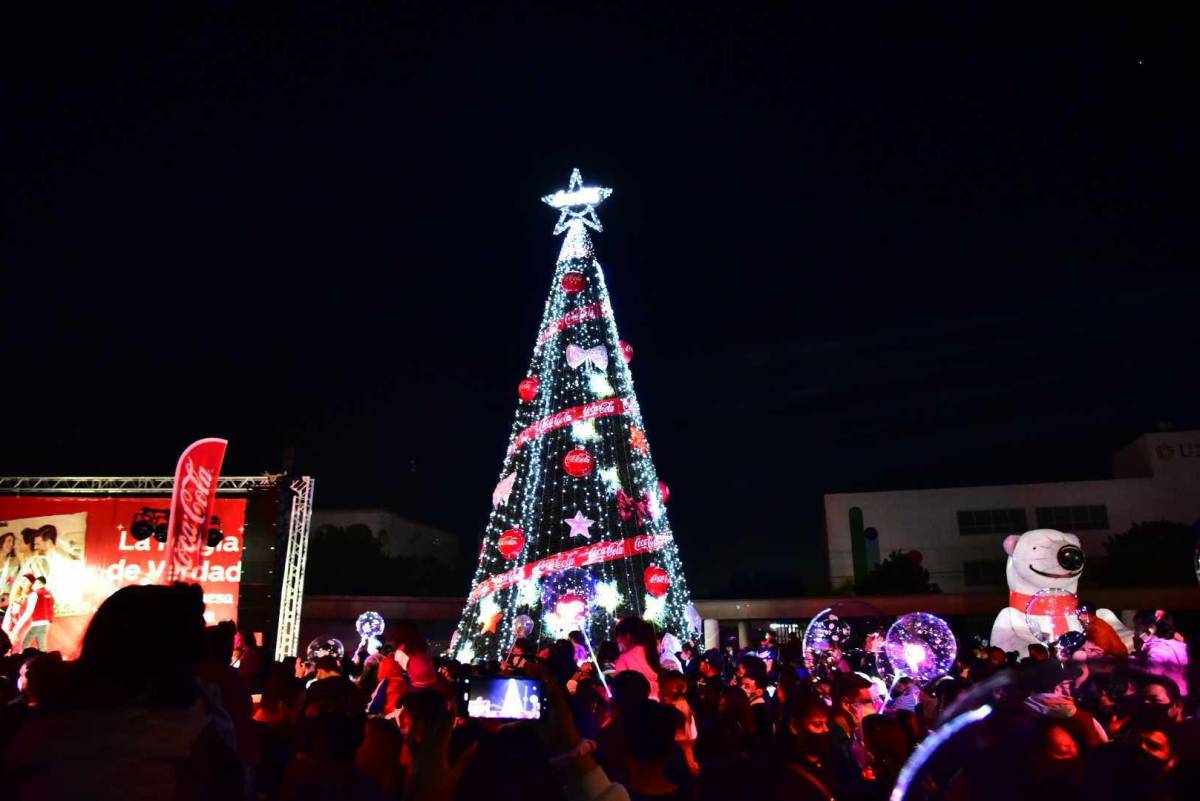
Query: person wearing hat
[390,690]
[421,671]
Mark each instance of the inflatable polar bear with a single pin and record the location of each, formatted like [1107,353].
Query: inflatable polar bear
[1037,560]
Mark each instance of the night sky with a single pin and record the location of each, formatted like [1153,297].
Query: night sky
[902,248]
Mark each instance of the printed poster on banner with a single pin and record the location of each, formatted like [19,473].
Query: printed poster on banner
[84,548]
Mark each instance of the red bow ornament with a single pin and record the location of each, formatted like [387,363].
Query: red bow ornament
[629,507]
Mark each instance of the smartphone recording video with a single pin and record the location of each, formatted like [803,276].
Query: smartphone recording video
[503,698]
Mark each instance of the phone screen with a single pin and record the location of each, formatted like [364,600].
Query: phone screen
[503,698]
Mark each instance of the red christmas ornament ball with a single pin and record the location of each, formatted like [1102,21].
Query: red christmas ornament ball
[511,543]
[571,607]
[664,491]
[657,580]
[578,463]
[574,282]
[916,557]
[527,390]
[626,351]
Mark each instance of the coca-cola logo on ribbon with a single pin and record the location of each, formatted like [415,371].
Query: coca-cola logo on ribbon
[573,318]
[575,414]
[511,543]
[576,557]
[657,580]
[578,463]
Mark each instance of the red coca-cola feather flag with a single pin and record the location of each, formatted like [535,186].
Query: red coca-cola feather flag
[192,501]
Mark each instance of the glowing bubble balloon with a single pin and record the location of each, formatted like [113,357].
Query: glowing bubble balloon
[824,633]
[566,600]
[325,646]
[522,626]
[369,624]
[921,646]
[1070,642]
[1051,613]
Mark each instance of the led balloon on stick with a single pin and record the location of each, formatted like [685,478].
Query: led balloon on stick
[921,646]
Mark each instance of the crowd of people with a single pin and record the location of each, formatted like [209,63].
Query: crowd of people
[157,705]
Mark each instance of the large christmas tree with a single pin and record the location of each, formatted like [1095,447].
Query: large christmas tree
[578,536]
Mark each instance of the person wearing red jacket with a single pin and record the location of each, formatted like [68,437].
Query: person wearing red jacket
[43,615]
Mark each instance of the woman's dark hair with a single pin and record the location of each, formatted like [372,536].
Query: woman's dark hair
[1164,624]
[642,633]
[282,688]
[737,709]
[408,637]
[803,705]
[650,731]
[142,647]
[218,642]
[6,536]
[629,688]
[561,662]
[608,652]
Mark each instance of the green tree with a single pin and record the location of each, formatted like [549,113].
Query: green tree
[351,561]
[901,573]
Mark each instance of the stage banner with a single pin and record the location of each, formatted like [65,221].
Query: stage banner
[192,502]
[85,549]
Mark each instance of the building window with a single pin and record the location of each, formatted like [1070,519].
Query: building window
[984,572]
[1073,518]
[992,521]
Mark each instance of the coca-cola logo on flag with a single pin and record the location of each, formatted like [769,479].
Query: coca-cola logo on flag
[192,500]
[657,580]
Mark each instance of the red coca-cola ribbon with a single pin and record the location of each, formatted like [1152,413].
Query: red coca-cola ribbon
[576,557]
[575,414]
[570,319]
[628,507]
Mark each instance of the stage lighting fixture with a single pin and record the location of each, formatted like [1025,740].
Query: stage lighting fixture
[141,528]
[215,535]
[161,528]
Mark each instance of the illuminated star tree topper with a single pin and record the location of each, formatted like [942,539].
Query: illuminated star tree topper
[577,202]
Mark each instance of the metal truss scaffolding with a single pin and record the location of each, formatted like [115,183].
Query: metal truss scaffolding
[287,639]
[122,485]
[291,595]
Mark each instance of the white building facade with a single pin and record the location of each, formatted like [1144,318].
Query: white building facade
[959,531]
